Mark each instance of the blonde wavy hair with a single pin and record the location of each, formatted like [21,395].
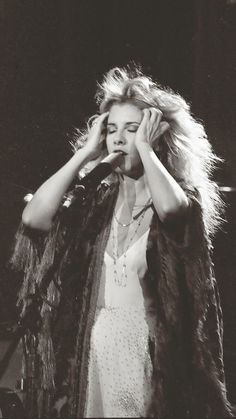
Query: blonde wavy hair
[184,148]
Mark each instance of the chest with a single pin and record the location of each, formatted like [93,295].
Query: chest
[123,236]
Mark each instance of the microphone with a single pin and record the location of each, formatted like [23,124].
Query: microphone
[94,178]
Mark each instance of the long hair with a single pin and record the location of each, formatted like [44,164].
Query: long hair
[184,148]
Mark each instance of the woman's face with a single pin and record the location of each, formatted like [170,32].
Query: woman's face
[122,124]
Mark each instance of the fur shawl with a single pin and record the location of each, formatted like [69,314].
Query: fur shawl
[188,379]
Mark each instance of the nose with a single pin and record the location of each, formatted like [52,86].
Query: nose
[119,139]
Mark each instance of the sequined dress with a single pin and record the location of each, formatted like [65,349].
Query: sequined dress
[120,366]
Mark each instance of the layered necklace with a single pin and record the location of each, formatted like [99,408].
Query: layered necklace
[122,279]
[136,216]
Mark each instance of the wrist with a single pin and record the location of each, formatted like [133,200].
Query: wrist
[144,146]
[90,153]
[85,153]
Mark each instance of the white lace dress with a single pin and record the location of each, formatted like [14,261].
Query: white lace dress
[120,367]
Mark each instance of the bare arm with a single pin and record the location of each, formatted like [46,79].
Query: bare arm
[168,197]
[40,211]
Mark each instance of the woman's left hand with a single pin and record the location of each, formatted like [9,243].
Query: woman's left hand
[151,127]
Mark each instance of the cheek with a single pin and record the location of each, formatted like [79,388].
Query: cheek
[133,151]
[130,138]
[136,160]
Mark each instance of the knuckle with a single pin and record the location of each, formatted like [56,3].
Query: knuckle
[158,111]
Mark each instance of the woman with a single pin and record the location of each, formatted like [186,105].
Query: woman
[131,326]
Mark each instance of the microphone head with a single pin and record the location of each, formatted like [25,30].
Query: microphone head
[114,158]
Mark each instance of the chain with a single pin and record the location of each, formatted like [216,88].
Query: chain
[135,217]
[122,281]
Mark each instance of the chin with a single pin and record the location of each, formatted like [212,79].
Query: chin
[130,172]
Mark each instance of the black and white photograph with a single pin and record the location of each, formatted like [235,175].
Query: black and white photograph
[118,203]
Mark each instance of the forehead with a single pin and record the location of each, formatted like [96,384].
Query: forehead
[124,112]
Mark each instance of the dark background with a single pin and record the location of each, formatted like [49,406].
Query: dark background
[52,54]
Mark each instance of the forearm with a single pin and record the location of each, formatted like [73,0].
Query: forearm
[168,197]
[41,210]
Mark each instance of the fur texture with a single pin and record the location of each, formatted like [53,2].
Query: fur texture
[188,380]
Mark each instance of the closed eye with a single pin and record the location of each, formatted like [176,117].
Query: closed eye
[111,130]
[132,128]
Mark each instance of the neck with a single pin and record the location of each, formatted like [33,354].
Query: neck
[133,191]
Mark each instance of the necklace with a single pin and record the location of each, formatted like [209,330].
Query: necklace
[135,217]
[122,280]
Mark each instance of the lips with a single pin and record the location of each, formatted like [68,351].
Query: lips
[122,151]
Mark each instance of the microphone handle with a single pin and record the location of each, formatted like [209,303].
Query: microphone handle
[93,179]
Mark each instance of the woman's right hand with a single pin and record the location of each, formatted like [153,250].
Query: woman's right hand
[96,136]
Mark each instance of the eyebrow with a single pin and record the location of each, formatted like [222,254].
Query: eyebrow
[127,123]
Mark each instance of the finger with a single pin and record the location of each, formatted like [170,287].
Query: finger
[103,116]
[155,119]
[163,127]
[92,120]
[146,113]
[98,123]
[146,116]
[156,115]
[102,126]
[102,138]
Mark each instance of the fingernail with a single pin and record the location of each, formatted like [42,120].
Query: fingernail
[166,126]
